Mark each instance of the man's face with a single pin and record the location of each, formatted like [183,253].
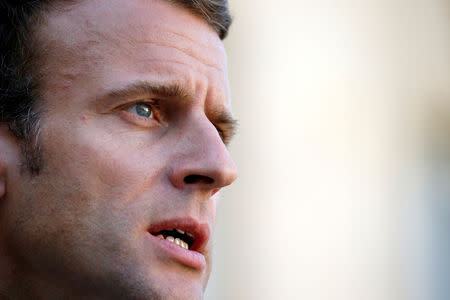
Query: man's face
[135,110]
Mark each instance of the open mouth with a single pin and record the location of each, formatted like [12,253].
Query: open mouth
[183,239]
[178,236]
[185,232]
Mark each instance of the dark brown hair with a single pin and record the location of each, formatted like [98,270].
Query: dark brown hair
[19,80]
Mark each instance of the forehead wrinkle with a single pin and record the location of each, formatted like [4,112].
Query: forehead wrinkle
[172,61]
[208,50]
[187,37]
[185,50]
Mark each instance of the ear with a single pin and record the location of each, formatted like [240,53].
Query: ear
[9,155]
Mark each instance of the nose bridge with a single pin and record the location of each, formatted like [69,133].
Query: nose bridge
[203,159]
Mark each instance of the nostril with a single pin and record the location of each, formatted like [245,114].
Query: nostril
[191,179]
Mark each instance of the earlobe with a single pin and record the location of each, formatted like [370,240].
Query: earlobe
[3,163]
[8,153]
[2,186]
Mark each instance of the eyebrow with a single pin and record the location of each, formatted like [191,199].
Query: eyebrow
[172,90]
[225,123]
[223,120]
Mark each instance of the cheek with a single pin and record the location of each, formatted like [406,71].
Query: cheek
[107,163]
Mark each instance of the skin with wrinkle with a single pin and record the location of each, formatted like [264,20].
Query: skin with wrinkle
[78,230]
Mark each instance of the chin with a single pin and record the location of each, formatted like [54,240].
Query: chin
[171,282]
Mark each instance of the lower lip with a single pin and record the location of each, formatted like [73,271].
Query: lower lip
[186,257]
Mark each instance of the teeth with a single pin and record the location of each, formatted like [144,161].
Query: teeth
[177,241]
[184,245]
[180,231]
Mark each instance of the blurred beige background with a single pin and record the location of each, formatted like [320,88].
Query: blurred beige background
[343,152]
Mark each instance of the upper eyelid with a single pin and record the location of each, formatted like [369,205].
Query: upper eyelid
[151,102]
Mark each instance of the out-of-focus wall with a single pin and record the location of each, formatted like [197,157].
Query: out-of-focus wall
[339,104]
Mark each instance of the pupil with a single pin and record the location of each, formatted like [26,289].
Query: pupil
[143,110]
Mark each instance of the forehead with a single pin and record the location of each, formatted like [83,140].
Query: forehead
[112,40]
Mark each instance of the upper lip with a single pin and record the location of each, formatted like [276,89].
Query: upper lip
[199,230]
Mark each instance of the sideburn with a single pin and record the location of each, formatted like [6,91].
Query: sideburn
[26,128]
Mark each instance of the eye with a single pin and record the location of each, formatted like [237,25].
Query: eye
[145,113]
[143,110]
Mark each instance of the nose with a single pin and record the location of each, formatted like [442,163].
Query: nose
[202,160]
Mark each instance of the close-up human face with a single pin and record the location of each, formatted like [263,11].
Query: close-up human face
[134,124]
